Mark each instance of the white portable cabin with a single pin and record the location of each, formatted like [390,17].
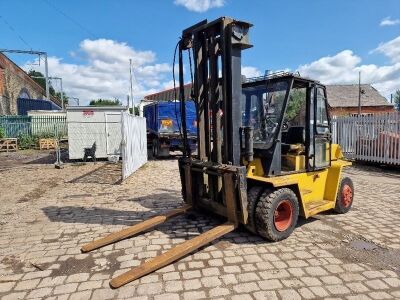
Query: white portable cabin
[94,124]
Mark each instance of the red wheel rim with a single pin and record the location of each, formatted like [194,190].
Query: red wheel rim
[283,215]
[347,195]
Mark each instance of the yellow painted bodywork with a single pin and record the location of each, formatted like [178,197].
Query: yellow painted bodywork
[295,162]
[317,190]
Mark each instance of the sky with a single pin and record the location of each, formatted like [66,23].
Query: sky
[89,43]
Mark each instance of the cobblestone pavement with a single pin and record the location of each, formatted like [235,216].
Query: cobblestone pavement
[46,214]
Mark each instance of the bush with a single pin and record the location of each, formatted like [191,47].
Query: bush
[27,141]
[2,133]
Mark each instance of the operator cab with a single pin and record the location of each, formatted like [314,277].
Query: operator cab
[291,127]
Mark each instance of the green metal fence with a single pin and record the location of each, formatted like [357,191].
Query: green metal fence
[43,126]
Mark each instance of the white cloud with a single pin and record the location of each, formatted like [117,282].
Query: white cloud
[343,68]
[388,21]
[250,72]
[104,71]
[110,51]
[200,5]
[391,49]
[332,69]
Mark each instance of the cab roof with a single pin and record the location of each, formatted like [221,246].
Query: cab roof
[277,76]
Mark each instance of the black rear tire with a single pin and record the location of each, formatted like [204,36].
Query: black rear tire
[276,214]
[345,195]
[253,195]
[155,148]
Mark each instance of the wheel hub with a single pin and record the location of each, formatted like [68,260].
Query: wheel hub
[283,215]
[347,195]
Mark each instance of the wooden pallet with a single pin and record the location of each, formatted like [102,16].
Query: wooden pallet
[9,144]
[47,144]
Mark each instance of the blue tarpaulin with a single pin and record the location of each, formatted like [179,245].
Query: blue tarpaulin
[24,105]
[155,113]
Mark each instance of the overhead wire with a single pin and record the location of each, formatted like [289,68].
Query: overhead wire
[13,29]
[69,18]
[57,10]
[20,37]
[83,28]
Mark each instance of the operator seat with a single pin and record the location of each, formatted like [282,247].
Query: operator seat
[290,141]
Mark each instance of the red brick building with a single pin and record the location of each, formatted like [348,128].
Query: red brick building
[15,83]
[169,94]
[343,100]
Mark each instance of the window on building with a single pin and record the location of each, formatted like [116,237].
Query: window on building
[24,93]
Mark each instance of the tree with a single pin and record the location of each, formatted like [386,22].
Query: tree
[105,102]
[296,103]
[136,111]
[41,81]
[58,95]
[397,99]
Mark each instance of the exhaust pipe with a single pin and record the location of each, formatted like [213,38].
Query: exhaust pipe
[247,146]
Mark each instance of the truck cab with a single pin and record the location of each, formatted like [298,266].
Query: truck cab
[164,129]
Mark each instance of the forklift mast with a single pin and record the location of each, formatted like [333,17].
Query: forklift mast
[216,50]
[215,178]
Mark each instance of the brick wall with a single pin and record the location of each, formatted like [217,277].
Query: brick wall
[13,80]
[5,106]
[345,111]
[2,81]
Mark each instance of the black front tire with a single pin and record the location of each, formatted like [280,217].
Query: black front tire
[253,195]
[268,216]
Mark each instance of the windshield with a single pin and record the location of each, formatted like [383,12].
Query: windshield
[262,109]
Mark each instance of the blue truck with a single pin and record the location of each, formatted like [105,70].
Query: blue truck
[163,127]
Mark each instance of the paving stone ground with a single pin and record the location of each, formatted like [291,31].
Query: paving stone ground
[46,214]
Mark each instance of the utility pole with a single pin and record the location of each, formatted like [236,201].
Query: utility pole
[127,102]
[130,79]
[61,87]
[46,67]
[46,74]
[359,93]
[62,94]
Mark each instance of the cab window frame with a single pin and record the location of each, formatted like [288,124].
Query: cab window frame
[319,117]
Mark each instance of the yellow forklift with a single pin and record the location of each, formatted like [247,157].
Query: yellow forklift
[265,153]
